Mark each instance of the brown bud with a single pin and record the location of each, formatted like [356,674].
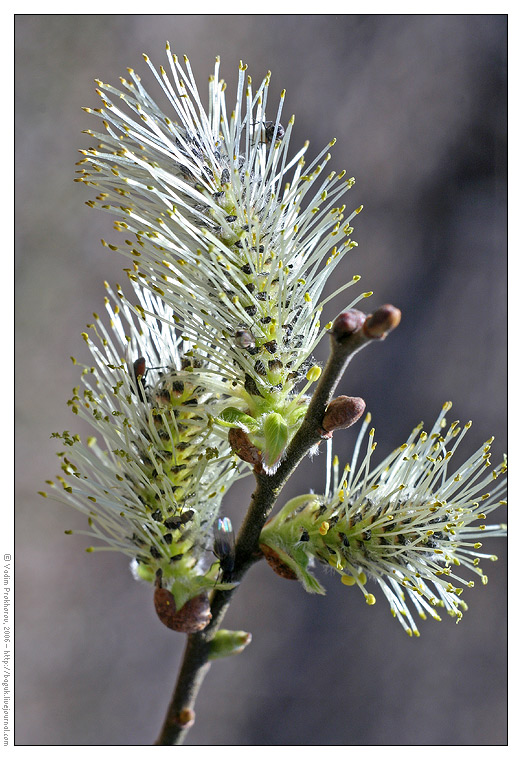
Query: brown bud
[193,616]
[185,717]
[347,323]
[241,445]
[379,324]
[165,605]
[342,412]
[277,564]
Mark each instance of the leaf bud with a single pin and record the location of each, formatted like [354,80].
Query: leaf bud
[379,324]
[226,643]
[342,412]
[276,433]
[346,323]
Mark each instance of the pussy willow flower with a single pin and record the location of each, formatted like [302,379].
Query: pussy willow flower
[409,524]
[230,230]
[152,478]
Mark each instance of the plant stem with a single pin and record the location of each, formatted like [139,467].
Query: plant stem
[345,342]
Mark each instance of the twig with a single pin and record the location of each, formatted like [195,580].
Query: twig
[351,331]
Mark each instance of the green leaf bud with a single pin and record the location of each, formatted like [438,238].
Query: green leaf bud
[276,434]
[226,643]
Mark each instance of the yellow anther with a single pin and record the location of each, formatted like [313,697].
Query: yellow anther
[314,373]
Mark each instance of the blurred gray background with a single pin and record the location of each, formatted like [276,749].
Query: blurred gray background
[418,105]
